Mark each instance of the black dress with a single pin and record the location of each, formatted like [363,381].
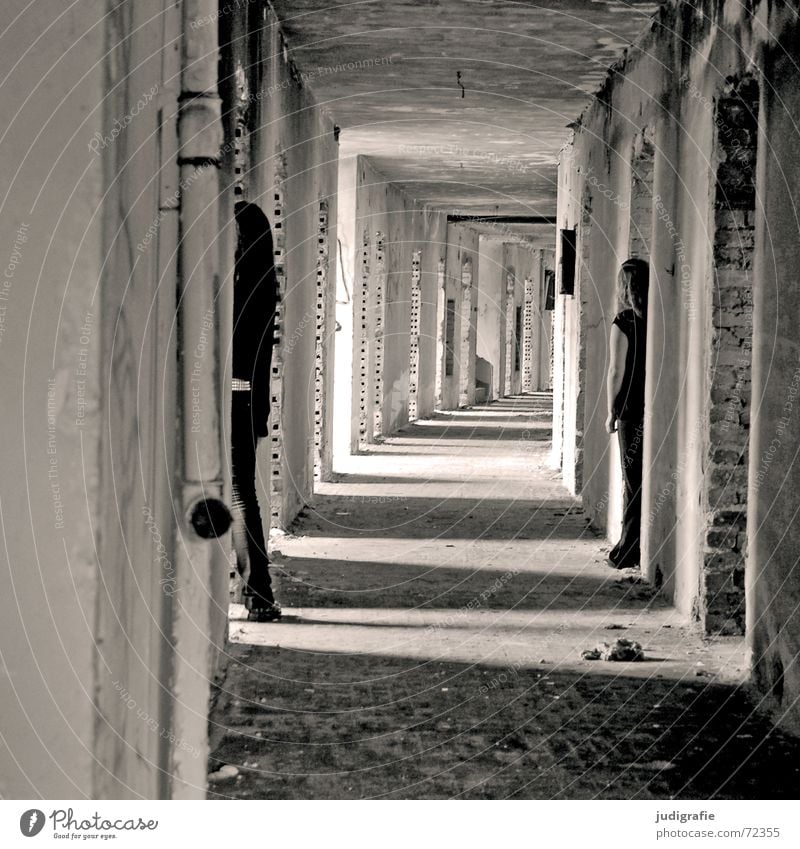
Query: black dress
[629,410]
[254,301]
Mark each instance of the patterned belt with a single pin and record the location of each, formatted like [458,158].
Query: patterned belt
[240,385]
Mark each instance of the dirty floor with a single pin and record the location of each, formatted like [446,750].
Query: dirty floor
[438,596]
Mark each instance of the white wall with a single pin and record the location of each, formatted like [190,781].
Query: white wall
[50,238]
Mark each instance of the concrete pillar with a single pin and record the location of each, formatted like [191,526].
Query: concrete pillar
[441,332]
[529,361]
[377,284]
[276,465]
[346,392]
[362,323]
[461,304]
[773,564]
[466,377]
[414,336]
[559,383]
[660,448]
[490,317]
[509,337]
[429,237]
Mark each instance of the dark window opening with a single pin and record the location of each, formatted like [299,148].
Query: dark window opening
[518,339]
[568,253]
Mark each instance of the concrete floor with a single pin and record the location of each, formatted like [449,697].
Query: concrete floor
[437,598]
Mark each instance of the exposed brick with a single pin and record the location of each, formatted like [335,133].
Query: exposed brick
[734,256]
[724,624]
[737,518]
[734,298]
[724,476]
[721,562]
[727,457]
[721,538]
[730,356]
[719,583]
[732,278]
[736,318]
[730,219]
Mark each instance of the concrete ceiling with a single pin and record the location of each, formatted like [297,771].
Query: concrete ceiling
[528,69]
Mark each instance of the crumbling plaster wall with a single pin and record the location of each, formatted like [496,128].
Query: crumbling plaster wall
[671,82]
[591,201]
[345,419]
[404,227]
[462,248]
[642,96]
[529,264]
[293,147]
[51,240]
[521,262]
[491,317]
[773,580]
[541,323]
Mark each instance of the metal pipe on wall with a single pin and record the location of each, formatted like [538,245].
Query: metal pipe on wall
[201,513]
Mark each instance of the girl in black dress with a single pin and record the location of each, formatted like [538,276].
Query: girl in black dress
[254,301]
[625,389]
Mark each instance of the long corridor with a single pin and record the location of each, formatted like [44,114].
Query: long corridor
[438,596]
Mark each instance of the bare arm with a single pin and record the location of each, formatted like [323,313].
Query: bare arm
[618,350]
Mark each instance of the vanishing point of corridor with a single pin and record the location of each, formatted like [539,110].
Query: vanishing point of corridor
[438,596]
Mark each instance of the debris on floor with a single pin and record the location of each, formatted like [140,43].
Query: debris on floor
[227,772]
[635,587]
[629,579]
[413,700]
[621,650]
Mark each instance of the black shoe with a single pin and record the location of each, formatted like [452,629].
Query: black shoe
[262,611]
[615,561]
[261,606]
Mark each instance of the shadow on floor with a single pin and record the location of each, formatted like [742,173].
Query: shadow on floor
[310,582]
[481,518]
[488,431]
[329,726]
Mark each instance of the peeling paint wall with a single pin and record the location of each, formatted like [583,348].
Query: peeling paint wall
[390,231]
[490,336]
[668,89]
[773,584]
[51,243]
[495,339]
[293,171]
[458,389]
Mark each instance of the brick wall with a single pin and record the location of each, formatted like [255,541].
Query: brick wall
[722,590]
